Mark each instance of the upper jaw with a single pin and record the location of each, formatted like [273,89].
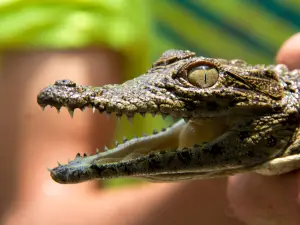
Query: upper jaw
[128,100]
[125,99]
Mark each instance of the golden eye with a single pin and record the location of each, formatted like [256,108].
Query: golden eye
[203,76]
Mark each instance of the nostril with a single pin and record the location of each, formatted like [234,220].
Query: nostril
[59,175]
[65,82]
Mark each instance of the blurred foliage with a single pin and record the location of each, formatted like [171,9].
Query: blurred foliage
[65,24]
[249,30]
[121,182]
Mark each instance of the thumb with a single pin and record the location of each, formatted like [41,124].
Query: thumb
[289,53]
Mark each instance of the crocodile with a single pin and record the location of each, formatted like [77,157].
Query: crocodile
[232,117]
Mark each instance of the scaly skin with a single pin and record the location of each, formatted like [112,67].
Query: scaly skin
[235,118]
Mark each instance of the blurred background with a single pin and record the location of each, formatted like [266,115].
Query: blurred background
[94,43]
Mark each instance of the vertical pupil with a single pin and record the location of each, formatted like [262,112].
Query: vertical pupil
[204,76]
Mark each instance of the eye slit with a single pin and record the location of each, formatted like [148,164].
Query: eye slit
[203,76]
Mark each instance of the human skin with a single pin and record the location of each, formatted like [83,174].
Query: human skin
[251,198]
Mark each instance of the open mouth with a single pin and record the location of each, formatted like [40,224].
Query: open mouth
[179,137]
[228,120]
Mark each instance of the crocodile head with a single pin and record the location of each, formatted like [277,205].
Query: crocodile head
[180,85]
[210,95]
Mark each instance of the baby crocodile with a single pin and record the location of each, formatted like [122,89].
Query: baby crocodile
[235,118]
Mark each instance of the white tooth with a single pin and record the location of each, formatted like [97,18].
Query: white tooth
[93,109]
[58,110]
[50,170]
[153,114]
[143,114]
[59,164]
[43,107]
[124,139]
[186,119]
[118,117]
[82,109]
[116,143]
[164,116]
[130,119]
[155,131]
[105,148]
[97,150]
[71,112]
[107,115]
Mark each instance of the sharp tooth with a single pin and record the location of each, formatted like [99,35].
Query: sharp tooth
[124,139]
[155,131]
[97,150]
[84,155]
[143,114]
[130,119]
[82,109]
[118,117]
[116,143]
[58,109]
[164,116]
[50,170]
[105,148]
[43,107]
[186,119]
[77,155]
[71,112]
[94,109]
[58,163]
[163,130]
[108,115]
[153,114]
[151,154]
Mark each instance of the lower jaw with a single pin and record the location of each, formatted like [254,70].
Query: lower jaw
[180,135]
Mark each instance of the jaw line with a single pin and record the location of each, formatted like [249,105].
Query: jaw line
[175,137]
[167,139]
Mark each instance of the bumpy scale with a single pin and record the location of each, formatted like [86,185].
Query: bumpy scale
[235,118]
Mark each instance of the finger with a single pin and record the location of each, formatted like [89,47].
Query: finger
[289,53]
[257,199]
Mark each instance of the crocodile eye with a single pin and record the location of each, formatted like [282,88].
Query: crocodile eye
[203,76]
